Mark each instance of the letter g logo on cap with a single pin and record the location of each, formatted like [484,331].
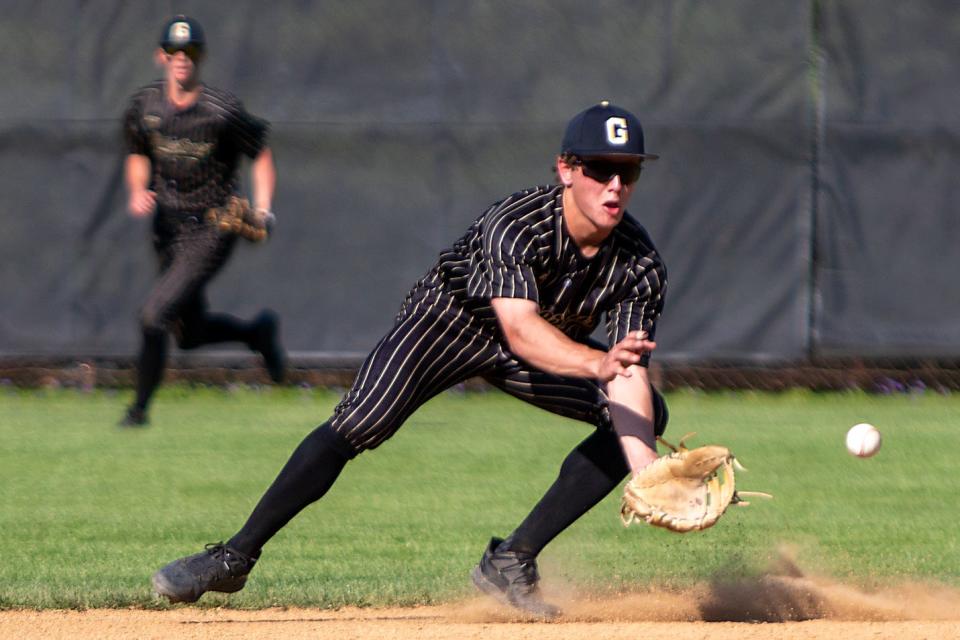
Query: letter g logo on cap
[617,131]
[179,32]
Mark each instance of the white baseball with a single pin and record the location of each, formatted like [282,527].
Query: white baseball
[863,440]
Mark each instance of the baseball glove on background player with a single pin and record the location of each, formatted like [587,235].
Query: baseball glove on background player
[238,217]
[687,490]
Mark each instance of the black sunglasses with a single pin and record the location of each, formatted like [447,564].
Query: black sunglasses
[192,51]
[604,170]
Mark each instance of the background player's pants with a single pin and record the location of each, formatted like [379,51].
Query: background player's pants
[190,254]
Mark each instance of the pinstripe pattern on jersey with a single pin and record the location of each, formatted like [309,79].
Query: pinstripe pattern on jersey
[446,330]
[194,152]
[519,248]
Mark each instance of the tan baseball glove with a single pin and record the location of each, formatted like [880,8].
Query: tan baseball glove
[238,217]
[687,490]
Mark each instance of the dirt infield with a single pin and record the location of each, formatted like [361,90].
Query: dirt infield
[772,608]
[423,624]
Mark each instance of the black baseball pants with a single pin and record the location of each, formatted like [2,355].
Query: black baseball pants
[436,344]
[190,254]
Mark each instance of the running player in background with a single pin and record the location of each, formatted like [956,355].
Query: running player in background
[184,142]
[514,301]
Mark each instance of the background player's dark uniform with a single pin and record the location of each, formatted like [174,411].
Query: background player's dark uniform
[194,154]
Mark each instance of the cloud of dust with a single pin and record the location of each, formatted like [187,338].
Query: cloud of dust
[784,592]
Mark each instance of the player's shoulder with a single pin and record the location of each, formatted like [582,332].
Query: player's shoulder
[220,95]
[148,93]
[632,237]
[218,98]
[528,206]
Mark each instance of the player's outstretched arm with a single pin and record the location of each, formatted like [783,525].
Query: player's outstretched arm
[536,341]
[631,410]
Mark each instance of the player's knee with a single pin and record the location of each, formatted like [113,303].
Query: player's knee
[364,433]
[600,450]
[332,438]
[151,320]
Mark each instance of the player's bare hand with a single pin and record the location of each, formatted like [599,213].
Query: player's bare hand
[142,202]
[623,355]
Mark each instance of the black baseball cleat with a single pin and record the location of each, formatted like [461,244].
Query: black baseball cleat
[511,577]
[267,327]
[218,568]
[134,417]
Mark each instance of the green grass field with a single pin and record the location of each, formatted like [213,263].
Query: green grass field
[89,511]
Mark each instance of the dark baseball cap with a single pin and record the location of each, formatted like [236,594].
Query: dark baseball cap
[181,31]
[605,130]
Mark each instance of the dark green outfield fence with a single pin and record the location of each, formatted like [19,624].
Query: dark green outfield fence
[805,202]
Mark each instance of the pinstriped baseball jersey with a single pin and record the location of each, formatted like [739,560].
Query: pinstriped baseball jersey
[446,330]
[194,152]
[520,248]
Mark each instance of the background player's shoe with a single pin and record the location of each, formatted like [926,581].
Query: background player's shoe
[511,577]
[218,568]
[267,327]
[135,417]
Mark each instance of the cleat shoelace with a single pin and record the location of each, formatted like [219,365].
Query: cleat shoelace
[526,576]
[228,560]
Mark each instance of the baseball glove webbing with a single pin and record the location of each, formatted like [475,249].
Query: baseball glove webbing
[686,490]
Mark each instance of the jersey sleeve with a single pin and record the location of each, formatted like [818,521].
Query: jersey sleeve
[248,132]
[504,267]
[135,137]
[641,308]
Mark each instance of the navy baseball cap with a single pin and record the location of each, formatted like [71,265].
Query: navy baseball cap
[182,31]
[605,130]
